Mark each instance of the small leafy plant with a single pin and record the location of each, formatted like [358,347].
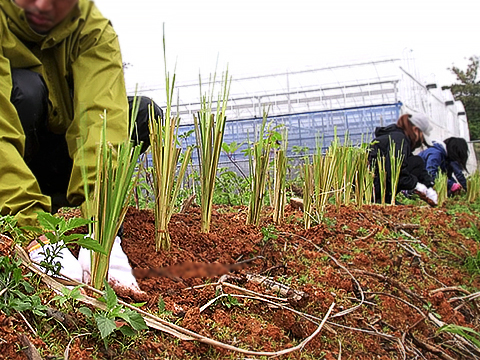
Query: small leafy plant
[228,301]
[73,295]
[15,291]
[115,317]
[231,189]
[8,225]
[55,230]
[229,150]
[162,307]
[269,233]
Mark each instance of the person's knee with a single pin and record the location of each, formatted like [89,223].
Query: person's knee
[416,161]
[30,98]
[145,106]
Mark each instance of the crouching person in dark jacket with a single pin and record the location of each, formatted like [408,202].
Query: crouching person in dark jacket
[406,135]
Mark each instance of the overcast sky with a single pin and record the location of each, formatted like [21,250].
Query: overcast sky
[264,36]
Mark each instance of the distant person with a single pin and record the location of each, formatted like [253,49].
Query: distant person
[61,67]
[450,157]
[407,135]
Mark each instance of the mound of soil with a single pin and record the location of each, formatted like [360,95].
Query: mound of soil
[395,275]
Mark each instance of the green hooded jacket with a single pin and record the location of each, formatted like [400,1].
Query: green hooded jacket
[81,64]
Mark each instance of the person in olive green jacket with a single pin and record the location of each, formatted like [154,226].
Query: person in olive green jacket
[60,68]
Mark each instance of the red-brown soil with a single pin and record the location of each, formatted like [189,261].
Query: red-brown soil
[398,286]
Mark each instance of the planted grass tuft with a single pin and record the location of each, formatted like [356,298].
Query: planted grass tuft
[113,190]
[209,135]
[166,155]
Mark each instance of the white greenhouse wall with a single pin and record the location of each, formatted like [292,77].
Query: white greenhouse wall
[447,116]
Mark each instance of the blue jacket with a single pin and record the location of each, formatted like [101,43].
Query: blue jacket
[436,159]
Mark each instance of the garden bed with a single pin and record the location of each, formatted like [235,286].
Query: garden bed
[395,274]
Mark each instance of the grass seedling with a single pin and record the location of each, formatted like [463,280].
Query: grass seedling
[396,160]
[209,134]
[259,160]
[382,176]
[336,152]
[113,190]
[308,192]
[165,157]
[143,197]
[346,167]
[324,177]
[350,159]
[361,176]
[473,186]
[280,171]
[441,187]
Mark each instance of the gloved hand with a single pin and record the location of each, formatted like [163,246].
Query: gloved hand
[420,188]
[120,275]
[456,188]
[432,195]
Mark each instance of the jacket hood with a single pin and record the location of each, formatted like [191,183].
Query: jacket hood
[18,24]
[440,146]
[387,130]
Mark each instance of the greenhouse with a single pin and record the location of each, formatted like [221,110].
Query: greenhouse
[313,104]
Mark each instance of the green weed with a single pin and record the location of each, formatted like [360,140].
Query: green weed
[15,291]
[269,233]
[55,230]
[106,320]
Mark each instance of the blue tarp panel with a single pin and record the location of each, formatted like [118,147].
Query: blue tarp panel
[306,129]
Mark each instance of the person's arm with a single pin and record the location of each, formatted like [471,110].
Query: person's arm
[433,165]
[458,172]
[98,86]
[20,193]
[406,180]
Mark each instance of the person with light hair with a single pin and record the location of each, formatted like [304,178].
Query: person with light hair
[406,135]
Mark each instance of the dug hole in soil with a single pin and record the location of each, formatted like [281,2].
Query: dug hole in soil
[352,254]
